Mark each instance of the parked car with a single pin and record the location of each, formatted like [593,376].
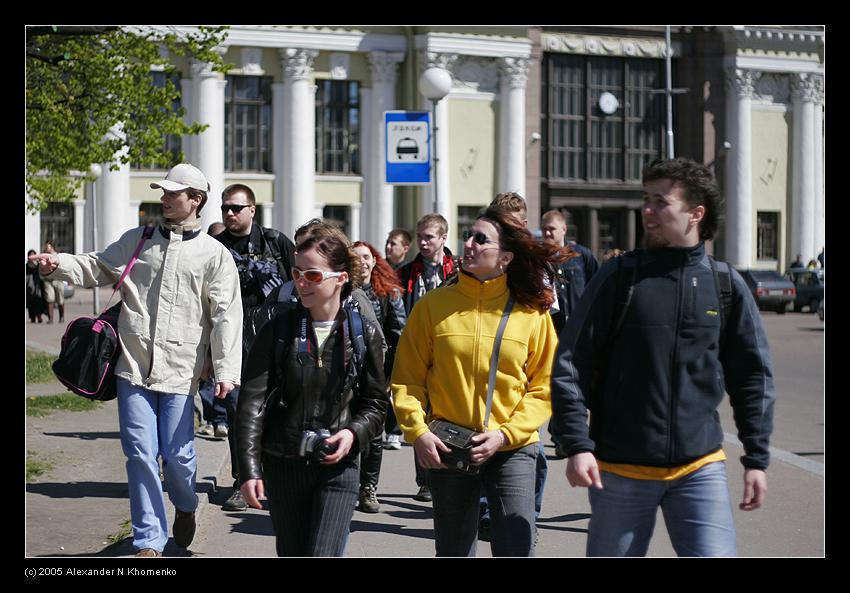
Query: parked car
[770,289]
[809,285]
[820,309]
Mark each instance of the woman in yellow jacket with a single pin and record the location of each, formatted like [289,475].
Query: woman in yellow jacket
[444,355]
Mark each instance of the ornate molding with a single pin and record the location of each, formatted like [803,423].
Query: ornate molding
[514,71]
[476,75]
[807,87]
[383,66]
[297,63]
[251,59]
[431,59]
[773,88]
[742,82]
[631,47]
[340,65]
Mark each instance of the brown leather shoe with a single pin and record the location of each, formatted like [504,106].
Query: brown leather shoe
[148,553]
[183,528]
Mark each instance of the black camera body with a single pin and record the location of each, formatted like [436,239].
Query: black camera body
[314,444]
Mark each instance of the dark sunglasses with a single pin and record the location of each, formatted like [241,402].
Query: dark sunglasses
[478,237]
[235,208]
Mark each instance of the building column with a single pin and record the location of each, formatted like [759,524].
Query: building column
[593,220]
[513,74]
[299,140]
[32,230]
[820,221]
[209,156]
[356,232]
[803,198]
[113,198]
[278,149]
[186,100]
[739,182]
[378,206]
[631,229]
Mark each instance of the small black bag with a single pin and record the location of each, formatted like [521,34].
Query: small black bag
[90,346]
[459,440]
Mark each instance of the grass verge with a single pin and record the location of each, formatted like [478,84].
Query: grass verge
[37,467]
[38,367]
[69,402]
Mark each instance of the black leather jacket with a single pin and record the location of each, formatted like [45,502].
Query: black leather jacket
[312,392]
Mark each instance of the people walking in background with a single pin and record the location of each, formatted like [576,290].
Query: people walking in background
[657,337]
[36,305]
[180,297]
[380,284]
[398,244]
[431,267]
[54,290]
[446,348]
[308,408]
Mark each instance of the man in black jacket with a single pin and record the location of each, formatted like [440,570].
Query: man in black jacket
[654,381]
[264,258]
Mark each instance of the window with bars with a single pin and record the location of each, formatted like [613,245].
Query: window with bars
[338,127]
[584,144]
[172,142]
[767,247]
[339,216]
[57,225]
[248,123]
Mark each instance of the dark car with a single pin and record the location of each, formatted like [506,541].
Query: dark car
[770,289]
[809,285]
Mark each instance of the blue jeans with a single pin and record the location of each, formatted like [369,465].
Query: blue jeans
[508,482]
[697,511]
[214,409]
[155,424]
[540,472]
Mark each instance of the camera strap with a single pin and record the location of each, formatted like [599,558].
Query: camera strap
[494,358]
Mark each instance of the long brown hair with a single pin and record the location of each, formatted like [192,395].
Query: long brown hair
[528,271]
[384,280]
[339,256]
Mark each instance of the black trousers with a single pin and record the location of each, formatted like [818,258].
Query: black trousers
[311,504]
[370,462]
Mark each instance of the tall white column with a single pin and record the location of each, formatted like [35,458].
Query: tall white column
[514,74]
[299,140]
[80,223]
[113,198]
[739,183]
[187,101]
[278,150]
[820,221]
[356,232]
[209,156]
[803,191]
[32,230]
[368,154]
[378,207]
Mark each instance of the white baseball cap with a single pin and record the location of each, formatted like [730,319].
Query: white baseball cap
[181,177]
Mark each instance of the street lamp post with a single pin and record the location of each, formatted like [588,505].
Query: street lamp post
[96,170]
[434,84]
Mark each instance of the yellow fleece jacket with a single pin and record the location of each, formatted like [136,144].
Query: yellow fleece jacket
[444,356]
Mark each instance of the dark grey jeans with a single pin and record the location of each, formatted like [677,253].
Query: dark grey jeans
[507,479]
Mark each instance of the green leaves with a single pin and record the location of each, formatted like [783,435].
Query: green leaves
[84,84]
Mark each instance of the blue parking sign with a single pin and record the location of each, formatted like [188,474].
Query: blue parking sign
[408,147]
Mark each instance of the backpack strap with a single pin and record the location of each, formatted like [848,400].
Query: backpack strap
[627,265]
[270,240]
[358,341]
[146,234]
[723,285]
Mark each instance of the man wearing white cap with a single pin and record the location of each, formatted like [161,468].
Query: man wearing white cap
[180,301]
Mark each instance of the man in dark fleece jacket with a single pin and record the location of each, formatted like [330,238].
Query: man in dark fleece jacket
[654,381]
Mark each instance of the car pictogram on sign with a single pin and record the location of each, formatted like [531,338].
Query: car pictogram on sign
[407,146]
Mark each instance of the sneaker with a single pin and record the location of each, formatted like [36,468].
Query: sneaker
[424,494]
[148,553]
[393,442]
[235,502]
[368,500]
[221,431]
[183,528]
[206,430]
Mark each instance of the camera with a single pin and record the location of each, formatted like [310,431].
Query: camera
[313,444]
[458,459]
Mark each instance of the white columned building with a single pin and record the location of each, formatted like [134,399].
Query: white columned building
[514,75]
[299,141]
[803,199]
[820,221]
[739,217]
[114,217]
[209,147]
[377,210]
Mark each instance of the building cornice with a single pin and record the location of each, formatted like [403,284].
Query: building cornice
[311,38]
[474,45]
[606,45]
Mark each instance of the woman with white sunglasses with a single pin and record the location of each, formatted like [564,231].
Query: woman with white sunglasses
[311,401]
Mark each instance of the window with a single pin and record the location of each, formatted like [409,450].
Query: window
[338,127]
[339,216]
[172,142]
[586,145]
[768,236]
[150,213]
[57,225]
[248,123]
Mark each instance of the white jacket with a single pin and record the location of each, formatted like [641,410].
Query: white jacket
[180,300]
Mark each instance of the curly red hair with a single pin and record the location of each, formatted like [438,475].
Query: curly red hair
[384,279]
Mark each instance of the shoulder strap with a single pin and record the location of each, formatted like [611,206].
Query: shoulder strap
[723,285]
[494,358]
[146,234]
[627,265]
[282,342]
[285,293]
[358,342]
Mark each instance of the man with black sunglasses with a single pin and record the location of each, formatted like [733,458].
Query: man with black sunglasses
[264,258]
